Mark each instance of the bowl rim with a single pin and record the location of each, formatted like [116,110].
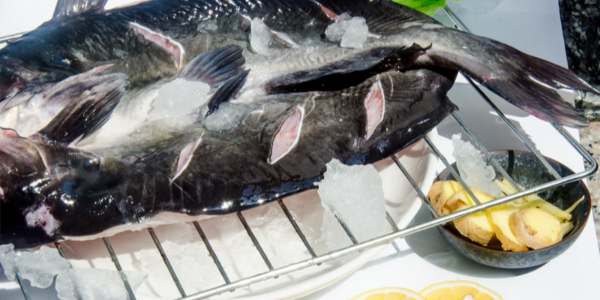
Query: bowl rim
[574,234]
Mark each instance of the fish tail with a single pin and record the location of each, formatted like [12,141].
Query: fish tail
[528,82]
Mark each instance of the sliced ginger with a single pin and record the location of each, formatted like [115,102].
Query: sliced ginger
[536,228]
[475,226]
[527,222]
[499,219]
[440,192]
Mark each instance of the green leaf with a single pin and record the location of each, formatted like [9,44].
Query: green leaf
[428,7]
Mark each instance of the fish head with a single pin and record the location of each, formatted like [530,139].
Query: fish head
[33,168]
[21,165]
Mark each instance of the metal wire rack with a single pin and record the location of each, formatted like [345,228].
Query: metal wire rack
[356,247]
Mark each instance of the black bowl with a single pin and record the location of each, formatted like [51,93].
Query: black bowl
[527,171]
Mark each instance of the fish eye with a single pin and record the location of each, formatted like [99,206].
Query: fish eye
[60,60]
[91,165]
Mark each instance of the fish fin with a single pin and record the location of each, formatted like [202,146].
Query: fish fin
[226,91]
[284,39]
[525,81]
[165,42]
[288,135]
[529,84]
[185,156]
[375,106]
[84,115]
[69,8]
[216,66]
[346,72]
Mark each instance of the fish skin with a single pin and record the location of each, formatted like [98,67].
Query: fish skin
[108,37]
[229,170]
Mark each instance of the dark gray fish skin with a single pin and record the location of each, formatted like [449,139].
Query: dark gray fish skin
[71,45]
[85,193]
[75,43]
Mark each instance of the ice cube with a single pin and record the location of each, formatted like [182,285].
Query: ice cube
[178,97]
[472,168]
[96,284]
[356,33]
[343,17]
[41,266]
[226,117]
[260,37]
[351,32]
[7,259]
[355,195]
[208,25]
[335,31]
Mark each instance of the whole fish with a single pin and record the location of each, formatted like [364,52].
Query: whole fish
[270,122]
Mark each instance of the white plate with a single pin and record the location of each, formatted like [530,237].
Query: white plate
[196,271]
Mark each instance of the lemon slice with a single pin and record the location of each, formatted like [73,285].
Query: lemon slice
[389,293]
[459,290]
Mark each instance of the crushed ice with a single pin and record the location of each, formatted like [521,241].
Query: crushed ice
[178,97]
[355,195]
[208,25]
[96,284]
[260,37]
[472,168]
[7,259]
[40,267]
[226,117]
[351,32]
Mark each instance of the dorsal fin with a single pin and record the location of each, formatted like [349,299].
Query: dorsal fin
[69,8]
[216,66]
[226,91]
[87,113]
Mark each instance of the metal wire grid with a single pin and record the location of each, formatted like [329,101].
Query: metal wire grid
[356,247]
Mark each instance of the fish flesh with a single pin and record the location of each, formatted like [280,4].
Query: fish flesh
[94,160]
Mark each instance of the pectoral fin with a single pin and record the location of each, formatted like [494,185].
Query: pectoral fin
[87,113]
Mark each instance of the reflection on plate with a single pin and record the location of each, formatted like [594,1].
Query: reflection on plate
[196,270]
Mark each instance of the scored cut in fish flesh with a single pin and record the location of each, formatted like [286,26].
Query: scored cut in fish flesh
[95,160]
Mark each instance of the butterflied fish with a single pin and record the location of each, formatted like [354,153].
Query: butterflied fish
[155,40]
[278,145]
[268,123]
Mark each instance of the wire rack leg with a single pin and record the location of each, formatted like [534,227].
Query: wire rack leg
[255,241]
[212,252]
[422,195]
[296,227]
[71,275]
[166,260]
[22,284]
[118,266]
